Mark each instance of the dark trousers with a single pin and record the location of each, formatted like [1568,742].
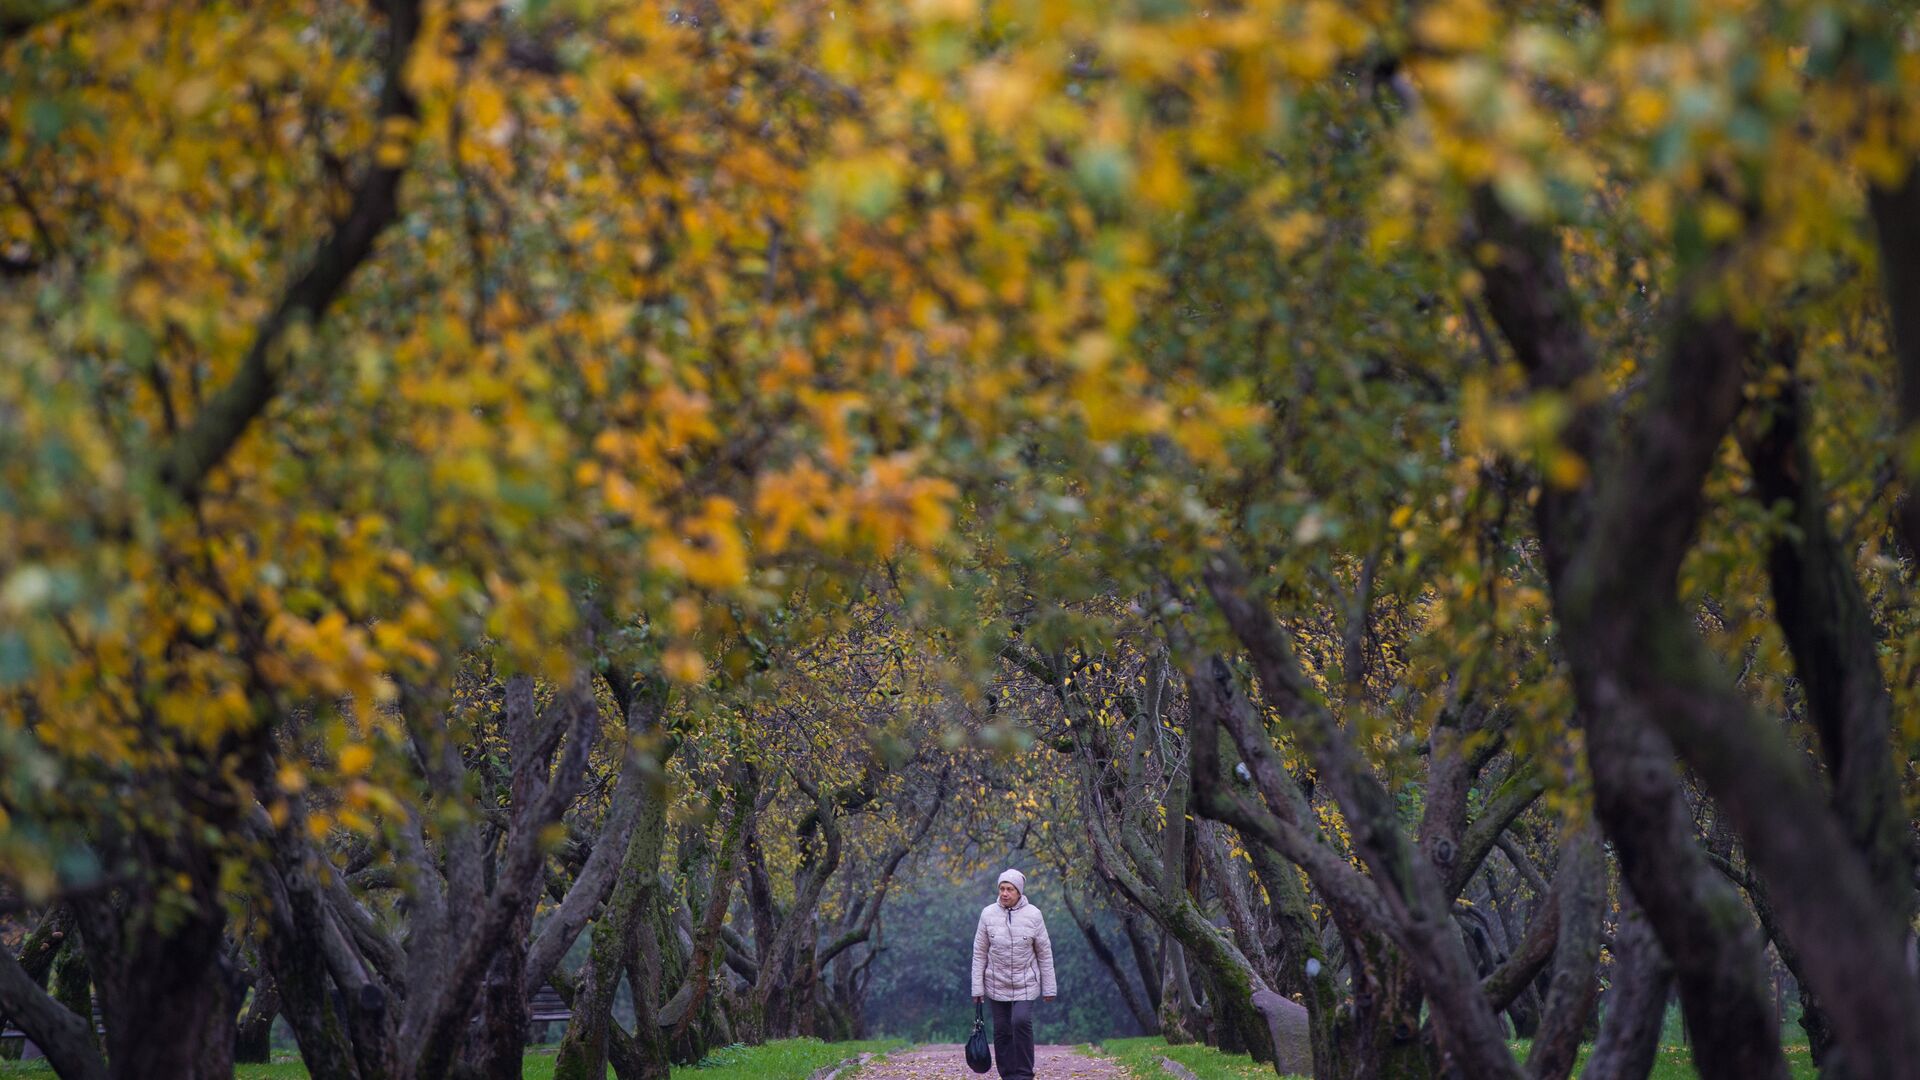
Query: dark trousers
[1013,1039]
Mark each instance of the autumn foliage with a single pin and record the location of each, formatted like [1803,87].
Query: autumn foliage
[476,477]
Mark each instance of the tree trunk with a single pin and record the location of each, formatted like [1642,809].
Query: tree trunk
[1636,1003]
[71,984]
[1835,645]
[1523,1007]
[1582,897]
[1182,1019]
[1409,886]
[66,1037]
[1235,1006]
[706,943]
[253,1036]
[1648,686]
[38,950]
[340,1036]
[657,957]
[1107,960]
[1380,1036]
[166,992]
[1230,885]
[1896,226]
[584,1048]
[1145,961]
[766,1014]
[1301,966]
[496,1045]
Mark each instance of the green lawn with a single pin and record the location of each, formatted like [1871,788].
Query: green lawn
[786,1058]
[798,1057]
[288,1069]
[1142,1059]
[1676,1063]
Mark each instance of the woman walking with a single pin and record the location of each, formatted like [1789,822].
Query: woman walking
[1012,965]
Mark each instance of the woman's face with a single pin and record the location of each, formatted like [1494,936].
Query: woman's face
[1009,895]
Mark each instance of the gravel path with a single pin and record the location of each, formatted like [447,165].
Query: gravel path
[950,1063]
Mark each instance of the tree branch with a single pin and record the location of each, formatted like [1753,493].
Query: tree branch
[197,451]
[430,1028]
[1823,614]
[1470,1033]
[66,1039]
[1525,784]
[1637,793]
[1896,223]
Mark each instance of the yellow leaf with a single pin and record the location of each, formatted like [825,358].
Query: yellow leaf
[355,759]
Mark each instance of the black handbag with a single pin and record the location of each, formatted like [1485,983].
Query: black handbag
[979,1050]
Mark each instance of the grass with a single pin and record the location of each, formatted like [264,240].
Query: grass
[786,1058]
[1141,1057]
[1676,1062]
[279,1070]
[796,1058]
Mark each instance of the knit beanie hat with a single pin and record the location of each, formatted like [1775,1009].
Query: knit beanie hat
[1015,878]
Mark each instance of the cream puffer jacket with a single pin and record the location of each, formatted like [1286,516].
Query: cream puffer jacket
[1012,956]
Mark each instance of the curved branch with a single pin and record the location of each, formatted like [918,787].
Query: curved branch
[1279,825]
[198,450]
[864,931]
[1830,633]
[66,1038]
[433,1024]
[1518,791]
[593,883]
[1470,1032]
[1582,901]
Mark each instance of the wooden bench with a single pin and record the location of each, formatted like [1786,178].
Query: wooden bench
[31,1052]
[546,1007]
[28,1051]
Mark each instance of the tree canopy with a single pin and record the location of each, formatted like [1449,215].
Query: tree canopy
[1401,510]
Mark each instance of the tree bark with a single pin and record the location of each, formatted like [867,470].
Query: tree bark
[1823,614]
[810,882]
[1582,901]
[298,963]
[1640,675]
[1229,884]
[1111,963]
[40,946]
[1529,959]
[1182,1018]
[1896,221]
[1636,1003]
[1379,1033]
[1145,961]
[706,943]
[437,1014]
[592,884]
[253,1035]
[1244,999]
[66,1038]
[584,1049]
[165,991]
[1471,1036]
